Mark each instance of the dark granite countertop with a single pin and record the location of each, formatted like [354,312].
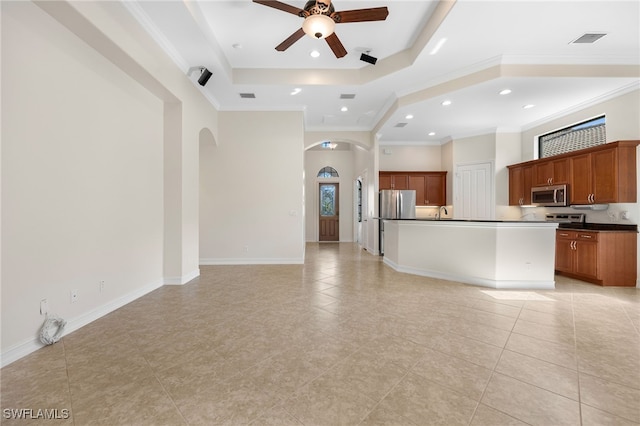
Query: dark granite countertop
[587,226]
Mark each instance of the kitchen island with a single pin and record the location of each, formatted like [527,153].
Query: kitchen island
[496,254]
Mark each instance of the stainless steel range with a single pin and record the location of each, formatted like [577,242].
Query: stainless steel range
[567,220]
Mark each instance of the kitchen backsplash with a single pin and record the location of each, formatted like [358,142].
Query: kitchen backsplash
[621,213]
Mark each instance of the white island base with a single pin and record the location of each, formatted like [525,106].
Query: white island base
[496,254]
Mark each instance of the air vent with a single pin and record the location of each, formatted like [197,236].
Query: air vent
[400,124]
[248,95]
[588,38]
[347,96]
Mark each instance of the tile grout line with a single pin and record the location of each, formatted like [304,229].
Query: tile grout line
[493,371]
[575,350]
[66,367]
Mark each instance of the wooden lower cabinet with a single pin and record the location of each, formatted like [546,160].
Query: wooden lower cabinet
[607,258]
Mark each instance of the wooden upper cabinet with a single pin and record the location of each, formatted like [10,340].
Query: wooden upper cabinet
[580,189]
[419,184]
[605,175]
[435,189]
[430,187]
[551,172]
[520,182]
[384,181]
[400,181]
[601,174]
[393,180]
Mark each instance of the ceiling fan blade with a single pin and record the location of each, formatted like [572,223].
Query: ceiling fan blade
[361,15]
[281,6]
[336,45]
[290,40]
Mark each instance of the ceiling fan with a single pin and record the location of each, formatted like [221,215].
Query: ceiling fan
[320,18]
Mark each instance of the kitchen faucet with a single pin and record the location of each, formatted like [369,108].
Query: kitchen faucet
[439,215]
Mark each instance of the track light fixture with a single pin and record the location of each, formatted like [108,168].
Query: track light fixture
[205,74]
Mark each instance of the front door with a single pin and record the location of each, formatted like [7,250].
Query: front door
[329,212]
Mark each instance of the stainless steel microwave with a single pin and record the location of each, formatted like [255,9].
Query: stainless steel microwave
[550,196]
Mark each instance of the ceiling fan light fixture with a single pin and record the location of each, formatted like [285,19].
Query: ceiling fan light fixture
[318,26]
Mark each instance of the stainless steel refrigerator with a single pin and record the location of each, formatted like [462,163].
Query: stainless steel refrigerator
[397,204]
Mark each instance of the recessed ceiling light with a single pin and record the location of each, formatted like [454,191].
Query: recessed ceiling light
[296,91]
[505,91]
[314,54]
[528,106]
[409,116]
[344,109]
[446,103]
[438,46]
[432,133]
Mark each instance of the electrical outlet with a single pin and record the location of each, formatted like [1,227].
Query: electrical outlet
[74,296]
[44,307]
[101,286]
[245,249]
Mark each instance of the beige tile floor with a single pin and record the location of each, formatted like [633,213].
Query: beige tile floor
[344,340]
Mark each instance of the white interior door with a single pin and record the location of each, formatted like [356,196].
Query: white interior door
[474,191]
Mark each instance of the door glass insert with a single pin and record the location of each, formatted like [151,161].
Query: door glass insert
[327,200]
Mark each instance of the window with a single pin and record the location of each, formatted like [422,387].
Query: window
[578,136]
[327,172]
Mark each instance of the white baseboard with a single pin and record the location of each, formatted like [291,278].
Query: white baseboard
[20,350]
[183,279]
[482,282]
[252,261]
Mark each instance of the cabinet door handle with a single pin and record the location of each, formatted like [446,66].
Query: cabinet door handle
[564,235]
[586,236]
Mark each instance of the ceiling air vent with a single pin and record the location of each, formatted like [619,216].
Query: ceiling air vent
[588,38]
[400,124]
[347,96]
[248,95]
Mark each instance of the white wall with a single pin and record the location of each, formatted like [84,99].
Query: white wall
[252,190]
[622,119]
[508,151]
[344,163]
[410,157]
[82,178]
[97,183]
